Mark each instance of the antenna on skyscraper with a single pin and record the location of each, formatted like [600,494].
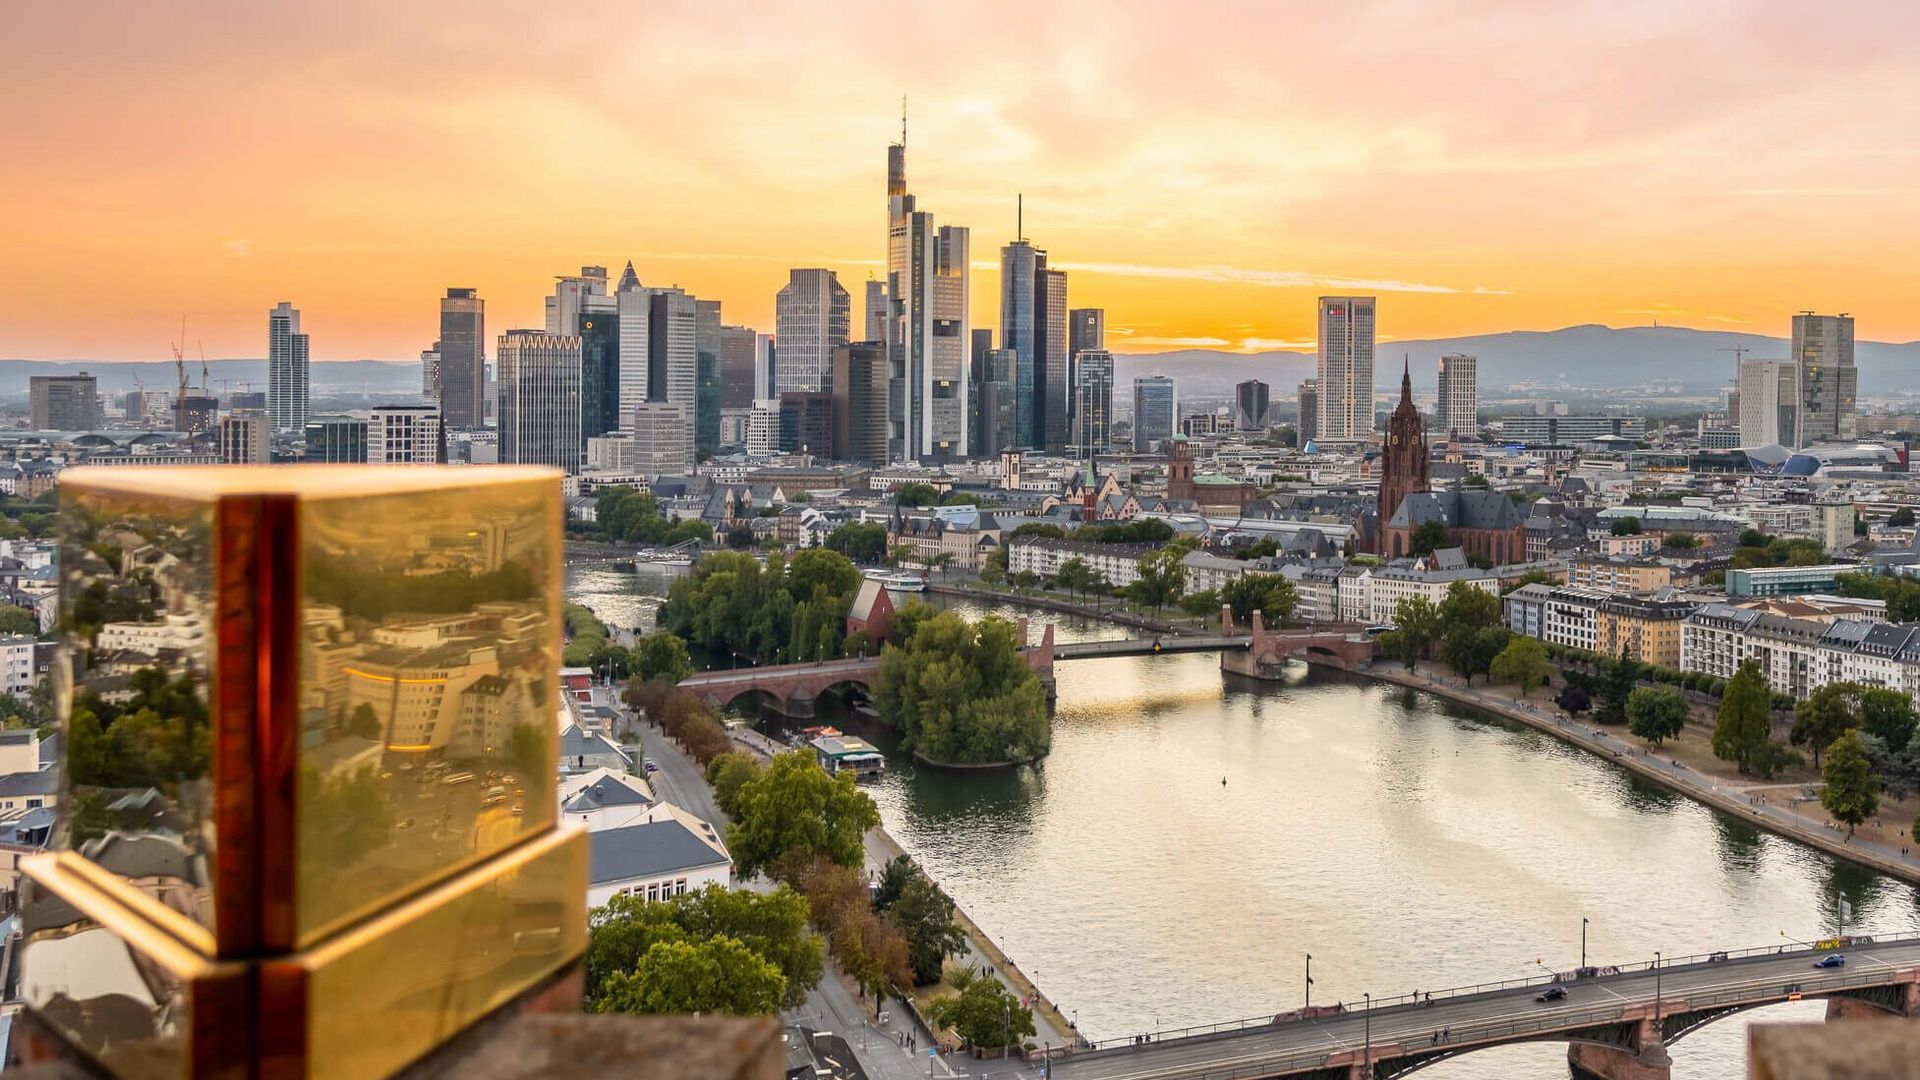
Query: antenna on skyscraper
[903,119]
[1019,217]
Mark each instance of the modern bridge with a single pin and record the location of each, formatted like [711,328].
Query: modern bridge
[791,689]
[1617,1022]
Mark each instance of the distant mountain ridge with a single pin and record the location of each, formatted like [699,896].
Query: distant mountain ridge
[1588,355]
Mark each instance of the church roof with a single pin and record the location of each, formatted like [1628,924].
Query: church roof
[1456,510]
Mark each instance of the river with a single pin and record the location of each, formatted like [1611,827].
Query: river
[1405,842]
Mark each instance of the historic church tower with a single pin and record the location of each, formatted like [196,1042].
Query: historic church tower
[1403,459]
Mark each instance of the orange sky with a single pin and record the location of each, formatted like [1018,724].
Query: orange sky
[1205,169]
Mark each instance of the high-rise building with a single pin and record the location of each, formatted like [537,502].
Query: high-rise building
[1457,416]
[1823,349]
[405,435]
[1346,369]
[706,375]
[673,361]
[1033,323]
[738,354]
[286,370]
[1155,407]
[599,332]
[764,425]
[660,438]
[539,381]
[430,373]
[804,422]
[927,342]
[1050,312]
[981,343]
[1250,405]
[876,313]
[462,382]
[1092,401]
[243,438]
[860,380]
[1086,329]
[764,375]
[811,317]
[64,402]
[336,440]
[569,299]
[1307,398]
[633,303]
[1768,395]
[999,407]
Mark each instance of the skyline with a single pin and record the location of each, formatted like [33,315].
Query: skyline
[1203,201]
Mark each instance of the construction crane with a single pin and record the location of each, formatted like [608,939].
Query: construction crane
[1739,354]
[180,362]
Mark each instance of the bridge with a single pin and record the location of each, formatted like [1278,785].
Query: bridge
[1617,1022]
[1259,653]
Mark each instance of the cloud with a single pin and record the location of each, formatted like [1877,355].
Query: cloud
[239,247]
[1181,342]
[1257,344]
[1271,279]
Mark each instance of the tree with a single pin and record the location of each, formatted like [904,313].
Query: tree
[1626,526]
[772,924]
[1889,716]
[1827,714]
[1430,536]
[659,656]
[1901,518]
[1680,541]
[1416,623]
[1656,713]
[1467,607]
[718,975]
[1201,605]
[1162,577]
[364,722]
[1523,663]
[1744,722]
[727,774]
[865,542]
[1573,700]
[959,498]
[1852,791]
[915,495]
[794,805]
[18,620]
[1616,685]
[986,1014]
[1074,575]
[960,692]
[893,881]
[1470,651]
[924,916]
[1531,577]
[1270,594]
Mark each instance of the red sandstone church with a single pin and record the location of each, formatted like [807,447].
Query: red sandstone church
[1485,523]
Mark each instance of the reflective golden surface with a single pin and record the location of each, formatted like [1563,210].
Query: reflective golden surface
[388,990]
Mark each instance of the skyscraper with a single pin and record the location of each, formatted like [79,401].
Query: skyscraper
[927,345]
[463,360]
[430,374]
[998,409]
[569,299]
[1155,407]
[1457,416]
[860,426]
[660,443]
[286,370]
[1092,401]
[811,317]
[1346,368]
[1823,349]
[599,333]
[405,435]
[1020,264]
[738,354]
[1307,423]
[673,362]
[706,375]
[539,383]
[1768,393]
[64,402]
[1086,329]
[633,304]
[1050,314]
[981,339]
[876,313]
[804,422]
[1250,405]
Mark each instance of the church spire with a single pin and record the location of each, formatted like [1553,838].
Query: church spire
[1406,377]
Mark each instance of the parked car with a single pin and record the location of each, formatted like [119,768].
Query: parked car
[1831,960]
[1552,993]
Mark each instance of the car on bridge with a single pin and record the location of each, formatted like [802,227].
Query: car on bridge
[1552,993]
[1832,960]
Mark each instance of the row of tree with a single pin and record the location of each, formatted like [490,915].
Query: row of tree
[790,610]
[959,692]
[682,717]
[624,514]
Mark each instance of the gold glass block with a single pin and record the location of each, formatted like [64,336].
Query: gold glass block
[133,997]
[301,694]
[386,991]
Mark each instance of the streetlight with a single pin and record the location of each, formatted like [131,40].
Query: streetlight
[1309,1003]
[1366,1054]
[1583,941]
[1656,991]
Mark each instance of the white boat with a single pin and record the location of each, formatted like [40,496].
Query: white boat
[898,580]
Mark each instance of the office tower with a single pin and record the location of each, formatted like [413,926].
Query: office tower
[1086,329]
[1033,323]
[336,440]
[1307,425]
[1092,401]
[738,355]
[64,402]
[1154,409]
[242,438]
[927,341]
[1823,349]
[860,425]
[462,379]
[1050,313]
[876,320]
[1250,405]
[764,420]
[1457,416]
[247,399]
[804,422]
[660,438]
[706,384]
[1346,368]
[539,381]
[811,317]
[430,373]
[569,299]
[405,435]
[981,339]
[764,375]
[1768,392]
[286,370]
[633,305]
[999,407]
[598,324]
[673,363]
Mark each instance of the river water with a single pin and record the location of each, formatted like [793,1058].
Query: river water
[1406,843]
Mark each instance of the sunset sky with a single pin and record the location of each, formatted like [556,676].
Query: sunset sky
[1204,170]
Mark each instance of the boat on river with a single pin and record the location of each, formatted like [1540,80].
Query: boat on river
[898,580]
